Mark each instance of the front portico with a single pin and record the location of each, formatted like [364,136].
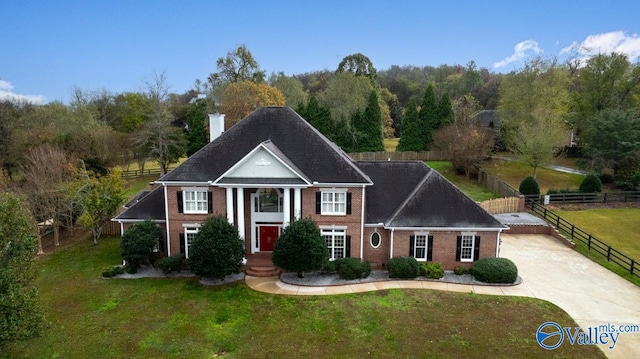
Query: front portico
[263,195]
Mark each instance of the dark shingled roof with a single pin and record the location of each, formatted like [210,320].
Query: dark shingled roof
[410,194]
[307,149]
[150,206]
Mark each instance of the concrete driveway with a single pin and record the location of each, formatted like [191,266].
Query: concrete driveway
[591,294]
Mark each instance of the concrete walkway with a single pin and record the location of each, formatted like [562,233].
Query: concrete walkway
[591,294]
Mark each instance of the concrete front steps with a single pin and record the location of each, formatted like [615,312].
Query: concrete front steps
[262,271]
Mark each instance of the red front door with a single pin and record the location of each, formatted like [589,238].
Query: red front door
[268,236]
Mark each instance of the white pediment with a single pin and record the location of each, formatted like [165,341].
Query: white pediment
[261,163]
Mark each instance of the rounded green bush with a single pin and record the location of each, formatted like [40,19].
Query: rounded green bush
[403,267]
[495,270]
[635,180]
[171,263]
[591,184]
[432,270]
[353,268]
[529,185]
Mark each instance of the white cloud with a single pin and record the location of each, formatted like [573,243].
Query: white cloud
[6,93]
[520,51]
[605,43]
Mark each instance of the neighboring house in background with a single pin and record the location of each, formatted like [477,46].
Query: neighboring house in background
[491,119]
[273,168]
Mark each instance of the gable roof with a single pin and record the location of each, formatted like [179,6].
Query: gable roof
[283,131]
[149,206]
[409,194]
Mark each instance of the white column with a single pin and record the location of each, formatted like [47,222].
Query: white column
[240,194]
[286,208]
[297,204]
[391,245]
[230,205]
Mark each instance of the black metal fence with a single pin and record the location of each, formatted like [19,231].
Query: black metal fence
[607,197]
[581,236]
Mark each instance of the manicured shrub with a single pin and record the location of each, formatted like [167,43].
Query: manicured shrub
[529,186]
[300,248]
[403,267]
[216,250]
[433,270]
[635,181]
[331,266]
[495,270]
[458,270]
[606,177]
[353,268]
[171,263]
[138,243]
[623,185]
[591,184]
[112,271]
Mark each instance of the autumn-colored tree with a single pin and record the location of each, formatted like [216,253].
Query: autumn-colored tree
[467,143]
[239,99]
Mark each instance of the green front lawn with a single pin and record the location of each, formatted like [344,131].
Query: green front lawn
[177,318]
[616,227]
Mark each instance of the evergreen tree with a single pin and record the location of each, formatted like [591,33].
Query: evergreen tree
[318,116]
[300,248]
[368,126]
[428,117]
[217,250]
[197,133]
[21,316]
[410,139]
[445,112]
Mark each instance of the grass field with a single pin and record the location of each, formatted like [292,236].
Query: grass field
[616,227]
[469,186]
[514,172]
[177,318]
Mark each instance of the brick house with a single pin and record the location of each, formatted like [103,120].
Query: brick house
[273,168]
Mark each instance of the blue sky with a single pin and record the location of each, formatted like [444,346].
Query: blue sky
[49,47]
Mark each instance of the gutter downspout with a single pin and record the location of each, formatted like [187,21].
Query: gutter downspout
[166,216]
[391,247]
[498,243]
[362,224]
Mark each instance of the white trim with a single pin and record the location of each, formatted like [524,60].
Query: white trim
[348,185]
[196,191]
[421,233]
[391,244]
[191,225]
[379,239]
[333,233]
[425,235]
[374,225]
[333,202]
[121,229]
[362,223]
[297,204]
[258,185]
[166,215]
[473,245]
[189,230]
[248,155]
[183,183]
[229,199]
[498,243]
[445,229]
[286,208]
[240,195]
[333,227]
[137,220]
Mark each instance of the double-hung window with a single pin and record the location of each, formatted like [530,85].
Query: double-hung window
[195,201]
[334,202]
[466,248]
[420,247]
[189,235]
[336,240]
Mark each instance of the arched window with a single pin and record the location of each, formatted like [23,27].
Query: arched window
[375,240]
[269,200]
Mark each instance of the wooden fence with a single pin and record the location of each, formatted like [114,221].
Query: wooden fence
[111,229]
[504,205]
[583,237]
[496,185]
[400,156]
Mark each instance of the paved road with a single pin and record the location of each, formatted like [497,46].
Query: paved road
[591,294]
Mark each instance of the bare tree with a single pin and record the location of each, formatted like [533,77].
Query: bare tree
[48,174]
[467,144]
